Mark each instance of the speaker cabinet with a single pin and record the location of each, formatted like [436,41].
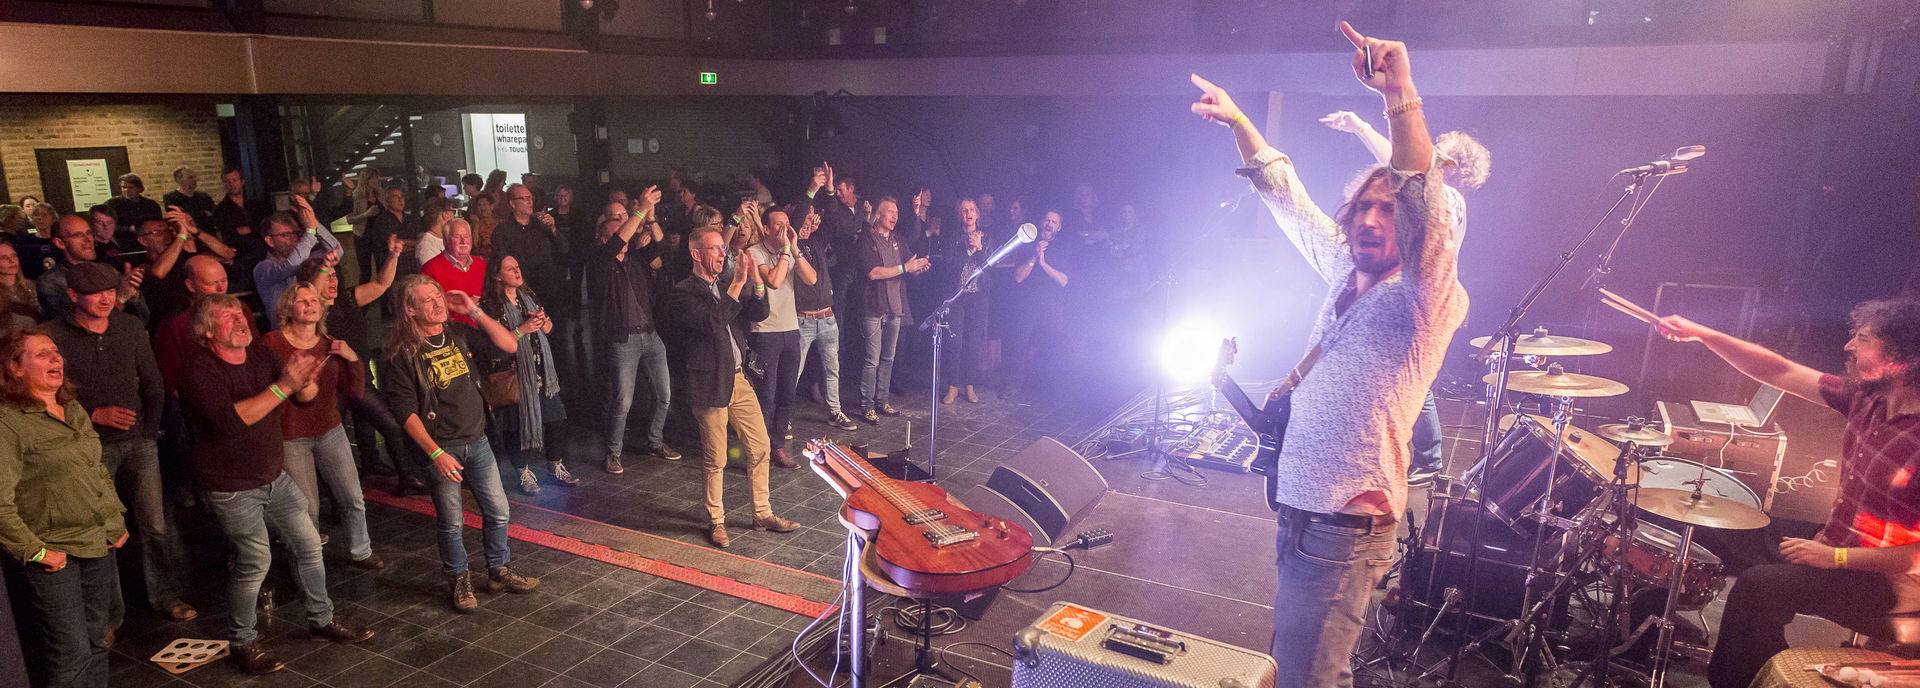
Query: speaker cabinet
[1045,488]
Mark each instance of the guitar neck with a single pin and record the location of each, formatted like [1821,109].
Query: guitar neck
[859,473]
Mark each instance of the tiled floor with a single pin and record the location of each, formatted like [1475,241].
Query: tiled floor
[589,623]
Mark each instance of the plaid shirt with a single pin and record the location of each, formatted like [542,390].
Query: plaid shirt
[1879,502]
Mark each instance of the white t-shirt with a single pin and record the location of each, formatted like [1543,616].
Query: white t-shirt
[781,316]
[429,247]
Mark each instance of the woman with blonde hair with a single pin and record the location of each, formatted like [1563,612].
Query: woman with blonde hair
[19,308]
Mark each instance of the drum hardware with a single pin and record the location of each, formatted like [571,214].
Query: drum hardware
[1635,430]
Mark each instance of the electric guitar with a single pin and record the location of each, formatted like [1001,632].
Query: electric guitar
[1268,423]
[923,541]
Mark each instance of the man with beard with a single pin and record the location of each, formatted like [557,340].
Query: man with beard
[1863,565]
[1379,339]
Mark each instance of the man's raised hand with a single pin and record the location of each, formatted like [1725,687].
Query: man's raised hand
[461,302]
[648,199]
[1343,120]
[1214,103]
[1391,73]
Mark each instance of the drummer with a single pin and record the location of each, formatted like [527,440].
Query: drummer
[1863,565]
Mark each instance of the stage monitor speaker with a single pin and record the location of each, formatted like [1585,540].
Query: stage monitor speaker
[1045,488]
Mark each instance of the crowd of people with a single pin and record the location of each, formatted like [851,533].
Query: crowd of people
[165,357]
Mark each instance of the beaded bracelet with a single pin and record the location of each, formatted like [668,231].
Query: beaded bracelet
[1404,108]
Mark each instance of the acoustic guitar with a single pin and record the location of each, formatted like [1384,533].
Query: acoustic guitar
[922,541]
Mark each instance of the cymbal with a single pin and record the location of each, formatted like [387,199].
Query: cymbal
[1709,511]
[1550,345]
[1557,384]
[1643,436]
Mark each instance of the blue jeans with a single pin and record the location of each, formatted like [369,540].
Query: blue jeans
[328,457]
[480,472]
[1327,574]
[1426,438]
[629,355]
[883,334]
[245,516]
[68,608]
[135,467]
[826,332]
[780,353]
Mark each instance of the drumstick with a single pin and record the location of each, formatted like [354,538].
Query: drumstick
[1630,312]
[1643,313]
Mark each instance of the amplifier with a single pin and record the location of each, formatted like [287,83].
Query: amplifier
[1073,646]
[1752,457]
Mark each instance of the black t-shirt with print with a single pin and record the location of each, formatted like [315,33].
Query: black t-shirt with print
[441,383]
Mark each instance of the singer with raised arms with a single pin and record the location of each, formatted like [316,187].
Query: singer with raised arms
[1377,345]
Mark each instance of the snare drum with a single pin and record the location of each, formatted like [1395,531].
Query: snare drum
[1512,479]
[1650,559]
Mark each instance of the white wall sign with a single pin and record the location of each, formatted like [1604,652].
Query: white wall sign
[497,142]
[91,183]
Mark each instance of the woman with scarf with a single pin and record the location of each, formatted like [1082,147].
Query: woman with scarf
[523,425]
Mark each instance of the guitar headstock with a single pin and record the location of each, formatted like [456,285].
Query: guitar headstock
[817,449]
[1229,348]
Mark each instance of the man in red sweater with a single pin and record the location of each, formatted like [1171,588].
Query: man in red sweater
[457,269]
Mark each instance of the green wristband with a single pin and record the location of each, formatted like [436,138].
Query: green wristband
[436,454]
[37,556]
[275,388]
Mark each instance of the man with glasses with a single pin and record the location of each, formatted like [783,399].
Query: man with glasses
[620,282]
[287,247]
[73,237]
[534,238]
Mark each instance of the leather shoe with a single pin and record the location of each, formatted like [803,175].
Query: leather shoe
[889,410]
[613,464]
[253,660]
[717,534]
[180,611]
[373,562]
[775,524]
[334,632]
[781,460]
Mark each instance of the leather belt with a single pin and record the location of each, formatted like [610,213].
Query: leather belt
[821,314]
[1370,524]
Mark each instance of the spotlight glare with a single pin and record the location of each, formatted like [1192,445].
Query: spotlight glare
[1189,351]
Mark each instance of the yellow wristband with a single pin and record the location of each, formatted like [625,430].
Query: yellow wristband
[1840,557]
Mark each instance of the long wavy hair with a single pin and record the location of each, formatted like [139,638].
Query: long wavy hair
[283,308]
[14,390]
[404,337]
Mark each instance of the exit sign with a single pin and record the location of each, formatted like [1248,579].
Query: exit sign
[709,78]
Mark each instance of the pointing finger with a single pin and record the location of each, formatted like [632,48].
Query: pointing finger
[1353,36]
[1204,85]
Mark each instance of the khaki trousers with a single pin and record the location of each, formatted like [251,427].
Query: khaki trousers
[748,423]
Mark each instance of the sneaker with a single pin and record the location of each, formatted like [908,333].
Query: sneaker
[871,417]
[561,474]
[463,600]
[529,484]
[781,460]
[503,578]
[717,534]
[841,421]
[775,524]
[613,463]
[953,394]
[1421,476]
[889,410]
[253,660]
[664,452]
[180,611]
[972,397]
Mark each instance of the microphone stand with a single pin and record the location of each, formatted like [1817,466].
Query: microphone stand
[1505,339]
[937,322]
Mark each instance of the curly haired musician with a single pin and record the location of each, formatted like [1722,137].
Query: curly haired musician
[1865,564]
[1381,335]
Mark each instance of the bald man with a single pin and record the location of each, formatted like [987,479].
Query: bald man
[173,338]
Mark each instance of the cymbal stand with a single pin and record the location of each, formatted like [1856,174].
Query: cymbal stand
[1523,638]
[1499,353]
[1626,523]
[1663,644]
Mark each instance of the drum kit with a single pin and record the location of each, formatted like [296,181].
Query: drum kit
[1600,510]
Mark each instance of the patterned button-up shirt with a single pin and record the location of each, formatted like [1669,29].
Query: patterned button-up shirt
[1879,501]
[1353,414]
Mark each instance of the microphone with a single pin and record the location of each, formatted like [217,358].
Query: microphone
[1672,164]
[1025,235]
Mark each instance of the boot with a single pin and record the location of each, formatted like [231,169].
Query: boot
[463,600]
[502,578]
[952,394]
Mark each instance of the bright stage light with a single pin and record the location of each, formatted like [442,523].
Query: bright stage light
[1189,351]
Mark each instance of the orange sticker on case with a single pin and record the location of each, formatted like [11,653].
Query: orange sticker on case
[1073,623]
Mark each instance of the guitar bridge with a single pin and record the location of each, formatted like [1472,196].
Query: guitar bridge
[924,516]
[943,536]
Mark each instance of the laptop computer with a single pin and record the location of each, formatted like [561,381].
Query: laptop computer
[1752,415]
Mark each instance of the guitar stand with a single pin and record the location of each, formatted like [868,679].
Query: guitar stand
[925,665]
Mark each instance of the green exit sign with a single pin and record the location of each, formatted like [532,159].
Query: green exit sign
[709,78]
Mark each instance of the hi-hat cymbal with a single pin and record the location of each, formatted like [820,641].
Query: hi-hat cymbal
[1643,436]
[1557,384]
[1550,345]
[1708,511]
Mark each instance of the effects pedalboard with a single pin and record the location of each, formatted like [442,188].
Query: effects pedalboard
[1220,441]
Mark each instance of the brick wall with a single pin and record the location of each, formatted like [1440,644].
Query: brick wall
[158,138]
